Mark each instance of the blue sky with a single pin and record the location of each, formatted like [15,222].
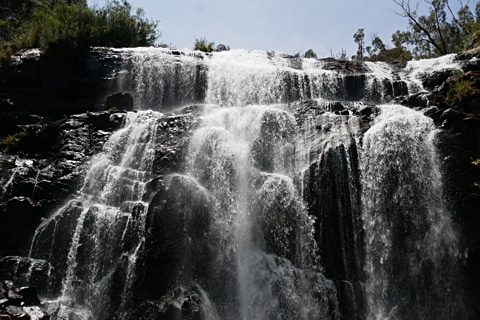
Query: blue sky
[282,25]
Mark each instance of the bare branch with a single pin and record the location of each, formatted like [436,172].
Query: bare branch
[438,25]
[411,15]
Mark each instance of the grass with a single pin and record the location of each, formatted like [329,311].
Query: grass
[14,142]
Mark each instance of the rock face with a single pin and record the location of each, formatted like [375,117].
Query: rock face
[178,220]
[19,296]
[120,101]
[55,117]
[45,170]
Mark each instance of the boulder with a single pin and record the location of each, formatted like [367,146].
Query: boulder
[21,303]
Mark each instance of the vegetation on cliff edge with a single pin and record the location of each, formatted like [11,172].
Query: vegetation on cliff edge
[66,25]
[441,31]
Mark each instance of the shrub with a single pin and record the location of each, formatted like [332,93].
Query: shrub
[459,92]
[222,47]
[72,25]
[13,142]
[203,45]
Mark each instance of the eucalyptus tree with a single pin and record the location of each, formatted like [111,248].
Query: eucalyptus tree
[441,31]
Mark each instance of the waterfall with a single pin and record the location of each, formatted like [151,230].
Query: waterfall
[259,221]
[94,261]
[411,244]
[288,189]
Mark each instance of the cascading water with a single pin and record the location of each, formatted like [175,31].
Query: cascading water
[106,224]
[411,245]
[281,209]
[258,219]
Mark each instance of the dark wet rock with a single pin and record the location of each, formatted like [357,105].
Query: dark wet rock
[20,217]
[332,195]
[435,79]
[347,299]
[306,110]
[151,188]
[172,138]
[344,65]
[336,106]
[14,298]
[119,101]
[388,89]
[354,87]
[366,111]
[178,221]
[48,168]
[26,272]
[180,303]
[418,100]
[453,114]
[56,88]
[57,234]
[105,120]
[400,88]
[21,303]
[29,295]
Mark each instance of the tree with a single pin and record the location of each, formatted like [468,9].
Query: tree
[378,51]
[377,47]
[439,32]
[63,26]
[359,38]
[221,47]
[310,54]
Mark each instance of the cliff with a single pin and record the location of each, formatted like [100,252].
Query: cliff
[55,115]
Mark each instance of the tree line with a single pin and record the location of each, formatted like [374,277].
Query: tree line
[439,32]
[66,25]
[71,25]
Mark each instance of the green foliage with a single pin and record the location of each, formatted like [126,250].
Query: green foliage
[359,38]
[13,142]
[76,25]
[202,44]
[441,31]
[221,47]
[310,54]
[459,92]
[476,184]
[378,51]
[114,120]
[65,25]
[438,32]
